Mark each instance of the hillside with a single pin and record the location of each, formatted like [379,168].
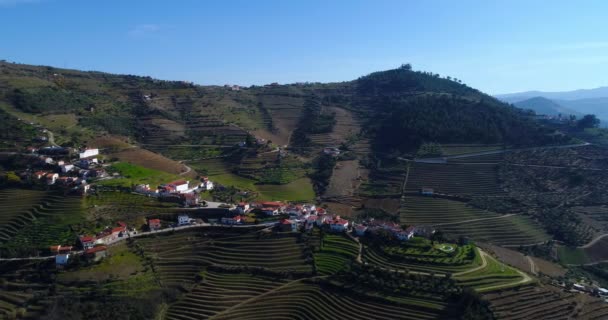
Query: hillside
[545,106]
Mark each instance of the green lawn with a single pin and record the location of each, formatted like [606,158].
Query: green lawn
[568,255]
[300,189]
[134,174]
[120,263]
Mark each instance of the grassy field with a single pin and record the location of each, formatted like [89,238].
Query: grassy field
[121,264]
[132,174]
[494,274]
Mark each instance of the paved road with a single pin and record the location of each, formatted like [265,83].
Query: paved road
[474,220]
[485,153]
[596,239]
[147,233]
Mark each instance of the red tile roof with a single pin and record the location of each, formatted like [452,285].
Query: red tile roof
[272,204]
[154,221]
[87,238]
[178,182]
[122,224]
[96,249]
[118,229]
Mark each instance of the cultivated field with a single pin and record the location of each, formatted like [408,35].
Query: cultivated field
[37,219]
[179,257]
[336,253]
[458,219]
[457,179]
[546,302]
[303,300]
[593,254]
[219,291]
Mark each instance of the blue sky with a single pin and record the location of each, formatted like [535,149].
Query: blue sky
[495,46]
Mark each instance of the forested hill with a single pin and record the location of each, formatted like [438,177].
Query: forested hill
[400,109]
[408,108]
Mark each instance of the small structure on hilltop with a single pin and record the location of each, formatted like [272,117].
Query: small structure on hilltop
[154,224]
[426,191]
[86,153]
[331,151]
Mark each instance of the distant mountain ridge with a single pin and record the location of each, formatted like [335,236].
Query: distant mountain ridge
[546,106]
[601,92]
[577,102]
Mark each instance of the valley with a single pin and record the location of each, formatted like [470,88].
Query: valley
[398,195]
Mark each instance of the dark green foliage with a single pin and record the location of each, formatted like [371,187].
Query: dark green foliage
[50,100]
[475,308]
[312,120]
[588,121]
[323,167]
[410,108]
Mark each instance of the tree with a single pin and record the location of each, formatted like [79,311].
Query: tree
[588,121]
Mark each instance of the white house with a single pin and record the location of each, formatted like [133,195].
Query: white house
[67,168]
[206,184]
[338,225]
[231,220]
[406,234]
[360,230]
[51,178]
[62,259]
[321,218]
[425,191]
[183,219]
[179,186]
[88,153]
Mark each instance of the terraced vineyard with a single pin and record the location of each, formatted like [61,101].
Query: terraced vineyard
[36,219]
[545,302]
[455,179]
[20,296]
[458,219]
[386,182]
[336,253]
[219,291]
[303,300]
[128,207]
[488,158]
[179,257]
